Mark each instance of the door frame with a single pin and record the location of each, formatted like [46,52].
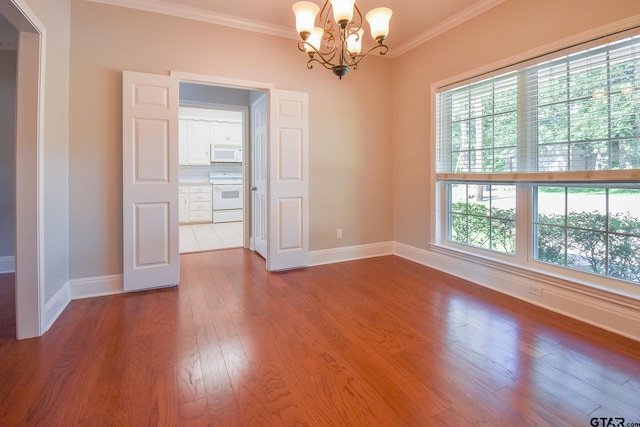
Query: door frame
[29,169]
[235,84]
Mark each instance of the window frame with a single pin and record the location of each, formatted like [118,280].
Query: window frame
[524,181]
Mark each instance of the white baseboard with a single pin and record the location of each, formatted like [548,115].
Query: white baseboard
[615,313]
[349,253]
[56,305]
[96,286]
[111,285]
[7,264]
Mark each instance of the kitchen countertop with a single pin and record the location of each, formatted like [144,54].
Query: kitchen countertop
[194,183]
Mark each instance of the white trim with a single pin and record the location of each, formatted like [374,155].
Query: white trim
[221,81]
[7,264]
[197,14]
[30,249]
[444,26]
[96,286]
[615,313]
[40,191]
[349,253]
[56,305]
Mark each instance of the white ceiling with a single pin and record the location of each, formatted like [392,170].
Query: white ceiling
[413,21]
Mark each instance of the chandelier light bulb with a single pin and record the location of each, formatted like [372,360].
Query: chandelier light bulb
[306,13]
[354,42]
[315,40]
[342,11]
[378,19]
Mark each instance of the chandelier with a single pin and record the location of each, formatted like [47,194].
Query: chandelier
[337,44]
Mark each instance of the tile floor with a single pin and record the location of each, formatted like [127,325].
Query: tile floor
[206,237]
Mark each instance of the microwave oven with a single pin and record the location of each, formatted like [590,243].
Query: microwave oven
[226,153]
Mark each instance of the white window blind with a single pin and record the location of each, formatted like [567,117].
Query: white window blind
[572,118]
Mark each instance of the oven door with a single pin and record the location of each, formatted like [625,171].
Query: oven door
[227,196]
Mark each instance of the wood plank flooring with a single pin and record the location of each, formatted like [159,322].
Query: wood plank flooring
[374,342]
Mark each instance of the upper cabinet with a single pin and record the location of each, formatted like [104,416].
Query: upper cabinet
[201,127]
[226,132]
[194,145]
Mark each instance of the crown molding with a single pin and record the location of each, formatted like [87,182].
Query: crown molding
[444,26]
[167,8]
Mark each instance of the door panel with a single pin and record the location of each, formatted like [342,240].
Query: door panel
[288,180]
[259,177]
[150,181]
[152,247]
[290,217]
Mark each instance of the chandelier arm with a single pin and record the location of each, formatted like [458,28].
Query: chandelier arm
[302,48]
[325,57]
[322,62]
[357,58]
[326,23]
[353,27]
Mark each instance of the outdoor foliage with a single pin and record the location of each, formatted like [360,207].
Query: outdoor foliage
[588,245]
[586,241]
[477,228]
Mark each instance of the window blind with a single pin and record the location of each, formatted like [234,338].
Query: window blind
[573,117]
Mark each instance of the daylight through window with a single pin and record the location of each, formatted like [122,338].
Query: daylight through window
[560,137]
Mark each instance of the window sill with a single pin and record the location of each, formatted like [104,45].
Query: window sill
[604,288]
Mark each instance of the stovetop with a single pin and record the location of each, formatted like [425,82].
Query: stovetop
[221,178]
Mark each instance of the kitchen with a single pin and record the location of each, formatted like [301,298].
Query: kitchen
[212,136]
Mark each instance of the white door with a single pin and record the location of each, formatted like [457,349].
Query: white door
[183,143]
[150,181]
[259,176]
[288,192]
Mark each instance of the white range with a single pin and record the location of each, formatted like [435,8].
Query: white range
[227,196]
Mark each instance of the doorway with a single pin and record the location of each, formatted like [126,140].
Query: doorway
[8,75]
[213,170]
[150,178]
[29,120]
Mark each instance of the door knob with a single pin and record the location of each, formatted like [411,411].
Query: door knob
[254,188]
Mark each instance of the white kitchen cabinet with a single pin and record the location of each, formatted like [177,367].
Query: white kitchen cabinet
[194,143]
[198,206]
[228,132]
[198,143]
[183,204]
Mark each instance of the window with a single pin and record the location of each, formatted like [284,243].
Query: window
[560,140]
[483,216]
[596,230]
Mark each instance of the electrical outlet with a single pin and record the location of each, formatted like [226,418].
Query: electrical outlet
[339,233]
[535,290]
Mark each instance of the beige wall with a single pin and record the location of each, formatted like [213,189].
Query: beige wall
[350,129]
[505,31]
[7,151]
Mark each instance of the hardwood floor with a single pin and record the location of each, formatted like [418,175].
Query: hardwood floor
[374,342]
